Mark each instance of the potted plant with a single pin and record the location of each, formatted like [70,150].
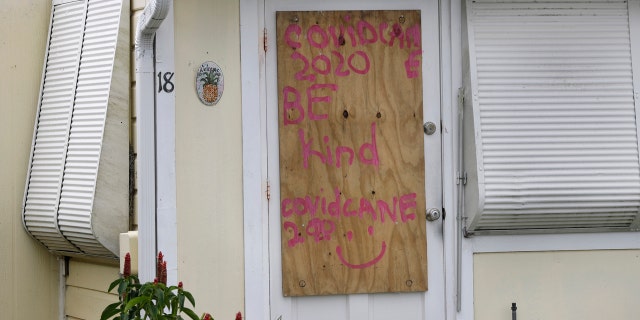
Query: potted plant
[151,300]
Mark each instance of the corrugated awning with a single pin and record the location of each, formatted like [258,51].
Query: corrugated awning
[552,132]
[76,198]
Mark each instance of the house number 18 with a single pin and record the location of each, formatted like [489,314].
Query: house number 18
[164,82]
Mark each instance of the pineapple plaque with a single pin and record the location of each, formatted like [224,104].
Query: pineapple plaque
[209,83]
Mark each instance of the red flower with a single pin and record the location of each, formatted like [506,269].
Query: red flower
[127,265]
[206,316]
[163,272]
[180,284]
[238,316]
[159,265]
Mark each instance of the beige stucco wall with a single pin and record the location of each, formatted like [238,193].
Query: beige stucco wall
[28,273]
[585,285]
[209,158]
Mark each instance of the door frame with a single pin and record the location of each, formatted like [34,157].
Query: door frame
[254,169]
[255,178]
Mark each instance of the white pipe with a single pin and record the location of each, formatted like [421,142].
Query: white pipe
[62,288]
[152,16]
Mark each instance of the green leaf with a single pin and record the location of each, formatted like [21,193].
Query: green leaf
[190,298]
[122,287]
[136,301]
[147,289]
[174,306]
[110,311]
[169,294]
[114,284]
[159,296]
[152,311]
[181,301]
[190,313]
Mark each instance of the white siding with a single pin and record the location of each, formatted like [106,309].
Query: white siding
[86,287]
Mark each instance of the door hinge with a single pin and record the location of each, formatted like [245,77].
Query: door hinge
[268,191]
[461,97]
[264,40]
[461,178]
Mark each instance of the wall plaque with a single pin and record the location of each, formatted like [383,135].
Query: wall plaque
[209,83]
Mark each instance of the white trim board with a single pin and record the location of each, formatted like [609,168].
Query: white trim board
[166,226]
[256,251]
[554,242]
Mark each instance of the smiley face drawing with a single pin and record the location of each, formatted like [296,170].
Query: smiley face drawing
[367,264]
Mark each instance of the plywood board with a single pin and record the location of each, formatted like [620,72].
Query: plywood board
[351,152]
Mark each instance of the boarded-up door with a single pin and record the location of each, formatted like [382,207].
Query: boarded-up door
[351,152]
[350,184]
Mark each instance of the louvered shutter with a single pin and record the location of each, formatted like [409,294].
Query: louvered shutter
[76,198]
[552,138]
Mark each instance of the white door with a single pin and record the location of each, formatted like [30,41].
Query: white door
[322,304]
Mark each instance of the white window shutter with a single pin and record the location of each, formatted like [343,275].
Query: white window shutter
[52,129]
[76,199]
[551,128]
